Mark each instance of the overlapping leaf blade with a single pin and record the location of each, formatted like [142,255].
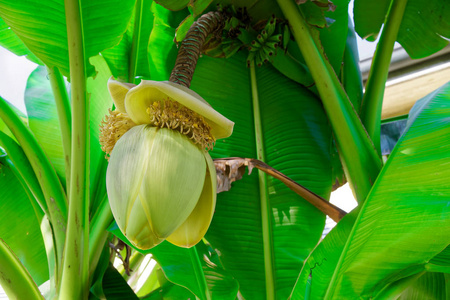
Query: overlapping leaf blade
[383,226]
[296,137]
[10,41]
[428,286]
[41,25]
[162,51]
[120,56]
[405,220]
[169,291]
[115,287]
[425,27]
[174,4]
[19,226]
[178,268]
[319,267]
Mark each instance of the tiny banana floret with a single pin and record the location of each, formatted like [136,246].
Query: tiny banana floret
[161,180]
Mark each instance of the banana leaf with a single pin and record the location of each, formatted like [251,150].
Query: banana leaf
[10,41]
[133,46]
[402,226]
[18,218]
[425,27]
[405,220]
[296,140]
[41,25]
[428,286]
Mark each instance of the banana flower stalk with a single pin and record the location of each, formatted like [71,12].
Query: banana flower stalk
[161,180]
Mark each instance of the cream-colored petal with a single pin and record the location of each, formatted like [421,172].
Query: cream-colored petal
[124,177]
[139,98]
[196,225]
[173,181]
[118,91]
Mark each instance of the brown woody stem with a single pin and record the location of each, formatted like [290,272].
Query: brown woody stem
[192,45]
[320,203]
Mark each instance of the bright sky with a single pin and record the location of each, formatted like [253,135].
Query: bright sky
[13,78]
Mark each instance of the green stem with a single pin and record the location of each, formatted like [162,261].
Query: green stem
[15,279]
[266,211]
[361,160]
[75,273]
[50,247]
[373,97]
[24,170]
[55,197]
[199,274]
[64,114]
[98,234]
[135,45]
[134,262]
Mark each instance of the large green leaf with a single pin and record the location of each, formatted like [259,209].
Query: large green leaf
[425,27]
[318,268]
[41,25]
[10,41]
[162,50]
[119,57]
[115,287]
[332,39]
[96,288]
[43,118]
[178,267]
[442,259]
[174,4]
[405,220]
[428,286]
[19,227]
[321,263]
[169,291]
[297,142]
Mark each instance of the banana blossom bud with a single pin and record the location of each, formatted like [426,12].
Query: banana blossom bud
[161,181]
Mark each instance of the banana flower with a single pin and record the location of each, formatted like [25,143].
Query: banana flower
[161,180]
